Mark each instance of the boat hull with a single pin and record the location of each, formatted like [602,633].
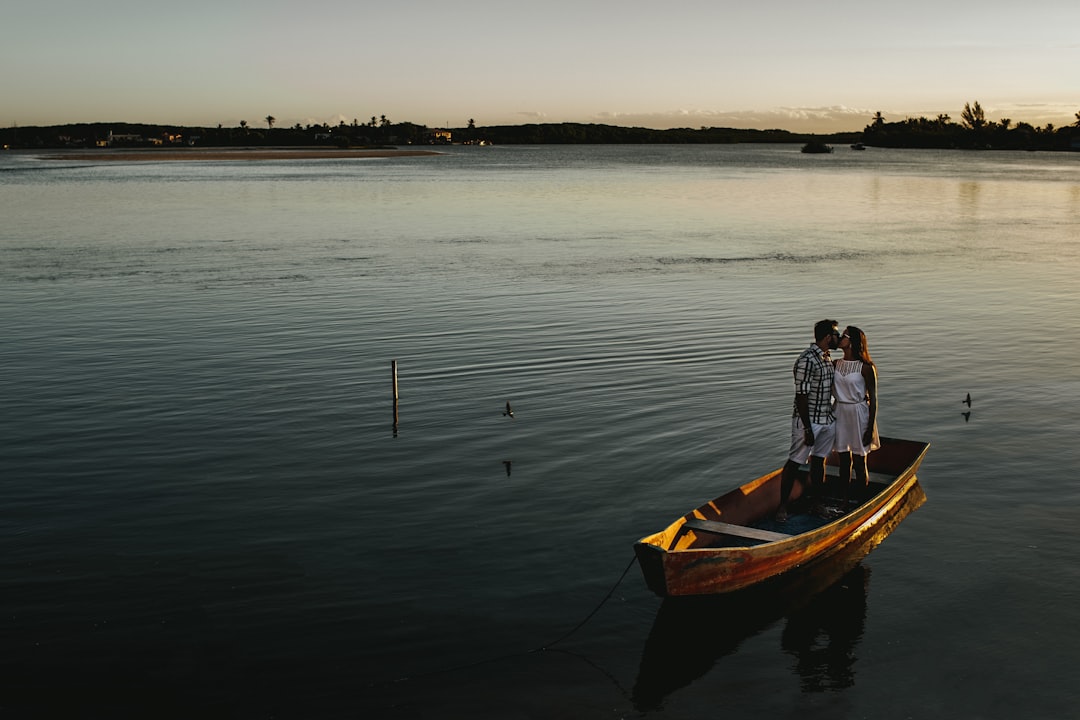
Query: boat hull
[679,561]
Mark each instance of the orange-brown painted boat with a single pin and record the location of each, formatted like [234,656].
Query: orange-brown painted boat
[733,542]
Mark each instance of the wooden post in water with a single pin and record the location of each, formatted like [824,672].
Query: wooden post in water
[393,373]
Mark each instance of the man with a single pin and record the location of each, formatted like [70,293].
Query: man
[812,420]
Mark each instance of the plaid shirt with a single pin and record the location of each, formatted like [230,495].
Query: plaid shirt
[814,379]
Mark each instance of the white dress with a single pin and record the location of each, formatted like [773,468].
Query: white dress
[852,408]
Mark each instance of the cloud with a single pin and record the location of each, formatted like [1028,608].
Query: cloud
[1036,114]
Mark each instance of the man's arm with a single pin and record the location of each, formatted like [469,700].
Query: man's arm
[802,406]
[803,380]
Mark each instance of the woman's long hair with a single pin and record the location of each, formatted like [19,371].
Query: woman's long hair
[857,338]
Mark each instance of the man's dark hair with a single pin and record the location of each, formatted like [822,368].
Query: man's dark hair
[823,329]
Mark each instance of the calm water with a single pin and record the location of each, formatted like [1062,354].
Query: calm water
[205,507]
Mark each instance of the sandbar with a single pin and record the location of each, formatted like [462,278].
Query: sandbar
[239,154]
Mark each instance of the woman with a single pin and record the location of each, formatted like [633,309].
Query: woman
[855,389]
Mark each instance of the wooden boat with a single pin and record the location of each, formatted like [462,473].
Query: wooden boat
[733,542]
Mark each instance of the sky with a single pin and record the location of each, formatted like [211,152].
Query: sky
[806,67]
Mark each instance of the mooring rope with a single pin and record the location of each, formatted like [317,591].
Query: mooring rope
[588,617]
[542,648]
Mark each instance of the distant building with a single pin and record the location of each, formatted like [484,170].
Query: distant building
[120,139]
[441,137]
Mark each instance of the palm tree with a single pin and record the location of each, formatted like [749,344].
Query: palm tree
[973,116]
[270,120]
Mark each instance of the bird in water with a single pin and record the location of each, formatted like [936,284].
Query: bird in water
[509,410]
[967,400]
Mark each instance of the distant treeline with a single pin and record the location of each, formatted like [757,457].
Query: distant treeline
[127,135]
[384,133]
[973,132]
[577,133]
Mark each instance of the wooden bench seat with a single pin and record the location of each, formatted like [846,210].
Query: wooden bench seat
[723,528]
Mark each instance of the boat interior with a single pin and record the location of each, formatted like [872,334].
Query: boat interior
[746,516]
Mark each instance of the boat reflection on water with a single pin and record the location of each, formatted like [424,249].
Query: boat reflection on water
[823,634]
[826,614]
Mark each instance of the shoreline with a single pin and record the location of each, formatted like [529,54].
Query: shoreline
[237,154]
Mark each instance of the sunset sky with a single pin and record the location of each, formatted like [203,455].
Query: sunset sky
[815,67]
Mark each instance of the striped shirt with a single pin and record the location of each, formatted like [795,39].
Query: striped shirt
[814,379]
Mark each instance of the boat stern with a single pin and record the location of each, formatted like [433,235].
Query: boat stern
[651,560]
